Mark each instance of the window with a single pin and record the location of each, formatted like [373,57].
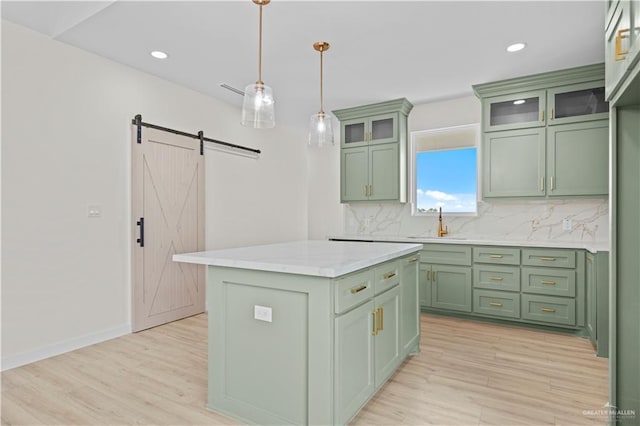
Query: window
[445,164]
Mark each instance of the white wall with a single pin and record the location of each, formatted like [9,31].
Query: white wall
[66,144]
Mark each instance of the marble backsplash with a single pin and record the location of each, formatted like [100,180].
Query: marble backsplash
[502,220]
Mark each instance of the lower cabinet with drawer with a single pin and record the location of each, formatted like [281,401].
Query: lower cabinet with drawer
[541,286]
[445,277]
[376,326]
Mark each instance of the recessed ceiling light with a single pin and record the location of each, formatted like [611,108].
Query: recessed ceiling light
[516,47]
[518,102]
[158,54]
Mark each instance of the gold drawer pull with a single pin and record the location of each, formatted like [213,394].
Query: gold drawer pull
[495,304]
[358,289]
[496,278]
[548,310]
[428,275]
[412,260]
[542,118]
[548,259]
[548,282]
[381,318]
[389,275]
[619,53]
[495,256]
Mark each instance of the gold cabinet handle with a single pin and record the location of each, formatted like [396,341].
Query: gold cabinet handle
[495,304]
[358,289]
[620,54]
[548,282]
[389,275]
[548,310]
[552,114]
[412,260]
[552,186]
[495,256]
[548,259]
[428,275]
[496,278]
[381,317]
[433,276]
[375,323]
[542,184]
[542,118]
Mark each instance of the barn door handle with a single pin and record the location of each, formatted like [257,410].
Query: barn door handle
[140,240]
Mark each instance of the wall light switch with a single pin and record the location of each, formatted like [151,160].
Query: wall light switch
[262,313]
[94,211]
[567,224]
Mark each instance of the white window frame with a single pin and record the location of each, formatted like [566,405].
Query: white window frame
[415,135]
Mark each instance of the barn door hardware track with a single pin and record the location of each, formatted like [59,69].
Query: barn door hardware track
[200,136]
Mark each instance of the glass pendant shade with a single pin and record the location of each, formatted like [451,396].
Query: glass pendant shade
[320,130]
[258,107]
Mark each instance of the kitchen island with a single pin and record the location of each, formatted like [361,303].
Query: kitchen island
[306,332]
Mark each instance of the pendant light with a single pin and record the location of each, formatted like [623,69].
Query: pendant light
[320,129]
[257,106]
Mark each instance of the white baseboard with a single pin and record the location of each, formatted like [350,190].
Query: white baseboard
[23,358]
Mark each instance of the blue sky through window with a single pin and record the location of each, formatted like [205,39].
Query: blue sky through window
[447,179]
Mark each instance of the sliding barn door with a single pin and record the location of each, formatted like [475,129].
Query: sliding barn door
[168,218]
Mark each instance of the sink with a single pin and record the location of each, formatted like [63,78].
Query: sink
[418,237]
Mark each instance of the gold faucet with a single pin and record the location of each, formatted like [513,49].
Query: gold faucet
[442,231]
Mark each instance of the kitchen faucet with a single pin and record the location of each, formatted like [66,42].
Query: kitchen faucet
[442,231]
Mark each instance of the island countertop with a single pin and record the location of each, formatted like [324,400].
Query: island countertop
[316,258]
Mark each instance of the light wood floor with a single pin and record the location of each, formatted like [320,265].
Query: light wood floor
[467,373]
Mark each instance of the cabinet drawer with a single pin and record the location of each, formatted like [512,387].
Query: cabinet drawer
[386,276]
[496,277]
[446,254]
[506,256]
[554,282]
[496,303]
[556,310]
[353,290]
[549,257]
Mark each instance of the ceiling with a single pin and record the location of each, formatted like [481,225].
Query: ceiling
[380,50]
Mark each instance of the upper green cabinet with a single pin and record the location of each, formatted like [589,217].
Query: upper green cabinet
[622,47]
[545,135]
[577,102]
[514,111]
[373,154]
[362,131]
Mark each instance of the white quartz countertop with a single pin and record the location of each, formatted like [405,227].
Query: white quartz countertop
[317,258]
[592,246]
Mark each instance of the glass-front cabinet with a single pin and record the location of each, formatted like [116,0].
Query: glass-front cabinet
[514,111]
[577,102]
[362,131]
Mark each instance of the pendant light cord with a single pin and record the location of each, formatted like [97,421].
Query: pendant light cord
[260,51]
[321,79]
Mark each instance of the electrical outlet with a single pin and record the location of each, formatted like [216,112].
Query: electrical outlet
[567,224]
[262,313]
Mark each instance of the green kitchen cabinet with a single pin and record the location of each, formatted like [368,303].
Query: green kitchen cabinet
[597,293]
[514,163]
[618,45]
[555,148]
[451,287]
[373,154]
[354,358]
[577,159]
[425,285]
[370,173]
[577,102]
[514,111]
[410,300]
[369,130]
[386,341]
